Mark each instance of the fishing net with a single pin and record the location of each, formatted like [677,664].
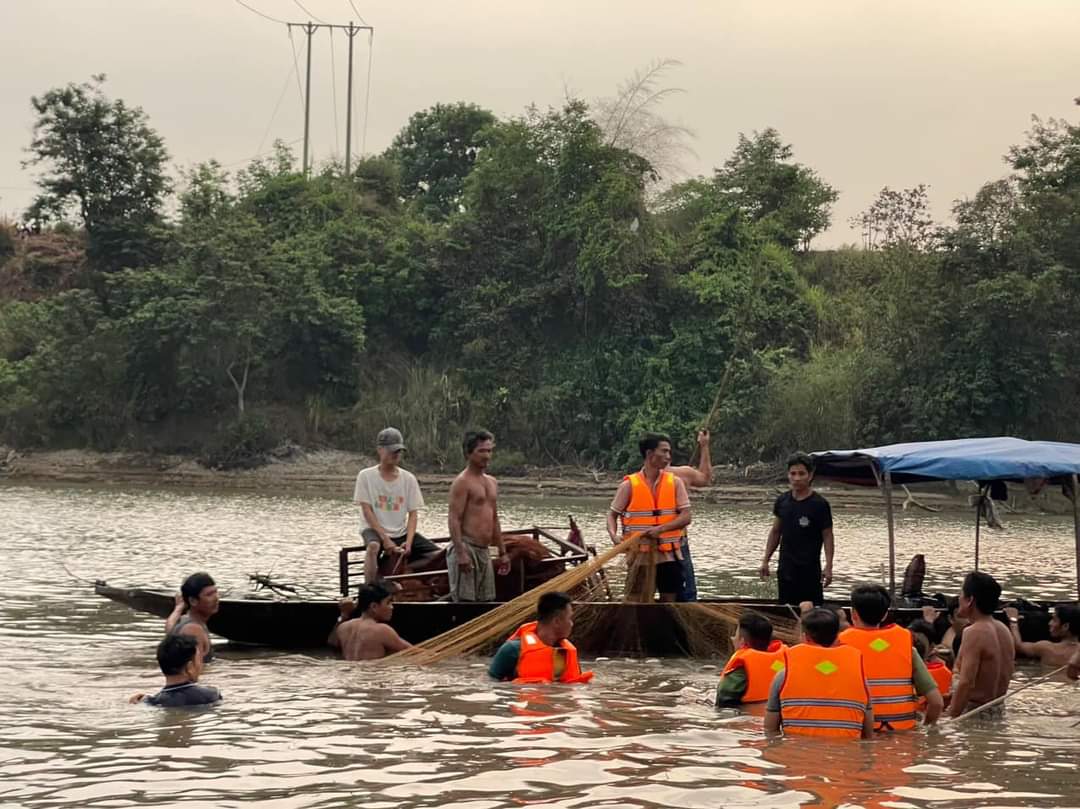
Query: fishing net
[482,631]
[635,629]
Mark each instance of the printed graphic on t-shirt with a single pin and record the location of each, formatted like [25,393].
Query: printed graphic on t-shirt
[388,502]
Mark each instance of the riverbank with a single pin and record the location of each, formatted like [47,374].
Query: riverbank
[331,473]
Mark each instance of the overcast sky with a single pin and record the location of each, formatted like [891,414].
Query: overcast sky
[869,93]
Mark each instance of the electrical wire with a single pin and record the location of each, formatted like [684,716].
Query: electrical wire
[296,66]
[367,93]
[333,88]
[357,13]
[256,11]
[257,156]
[277,106]
[310,15]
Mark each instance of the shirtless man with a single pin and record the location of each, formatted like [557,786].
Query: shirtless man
[1074,667]
[369,637]
[474,524]
[198,598]
[697,476]
[985,663]
[1064,629]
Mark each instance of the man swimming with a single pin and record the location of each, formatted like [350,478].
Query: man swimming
[369,636]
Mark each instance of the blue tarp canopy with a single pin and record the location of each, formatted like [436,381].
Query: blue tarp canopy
[959,459]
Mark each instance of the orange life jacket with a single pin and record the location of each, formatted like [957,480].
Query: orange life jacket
[942,675]
[536,662]
[761,668]
[824,691]
[887,655]
[645,511]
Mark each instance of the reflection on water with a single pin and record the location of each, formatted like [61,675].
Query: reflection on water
[308,731]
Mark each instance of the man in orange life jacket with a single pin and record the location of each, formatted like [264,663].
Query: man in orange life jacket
[896,675]
[539,652]
[749,673]
[822,690]
[654,504]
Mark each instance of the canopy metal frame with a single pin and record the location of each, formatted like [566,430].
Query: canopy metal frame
[883,479]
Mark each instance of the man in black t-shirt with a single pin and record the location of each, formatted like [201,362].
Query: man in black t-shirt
[180,659]
[802,524]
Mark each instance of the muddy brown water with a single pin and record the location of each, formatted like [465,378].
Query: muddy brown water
[304,730]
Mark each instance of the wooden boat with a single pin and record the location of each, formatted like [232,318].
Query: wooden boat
[610,628]
[619,629]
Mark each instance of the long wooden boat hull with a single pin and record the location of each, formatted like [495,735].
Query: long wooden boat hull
[608,628]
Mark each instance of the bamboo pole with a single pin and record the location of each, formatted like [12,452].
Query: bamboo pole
[978,524]
[892,534]
[1014,692]
[1076,527]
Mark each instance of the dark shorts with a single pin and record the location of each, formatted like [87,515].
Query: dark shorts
[669,577]
[421,545]
[800,585]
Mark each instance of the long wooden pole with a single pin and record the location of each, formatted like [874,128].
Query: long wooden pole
[978,524]
[1076,527]
[892,534]
[1014,692]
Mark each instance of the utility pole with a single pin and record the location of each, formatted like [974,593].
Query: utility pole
[351,33]
[309,29]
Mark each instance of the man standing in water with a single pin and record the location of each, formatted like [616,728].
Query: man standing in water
[653,503]
[802,524]
[369,636]
[1064,633]
[985,663]
[474,524]
[198,598]
[697,476]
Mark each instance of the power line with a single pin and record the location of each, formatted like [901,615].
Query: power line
[357,13]
[256,11]
[296,66]
[367,92]
[333,87]
[257,156]
[310,15]
[277,106]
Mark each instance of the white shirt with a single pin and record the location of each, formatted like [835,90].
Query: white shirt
[390,500]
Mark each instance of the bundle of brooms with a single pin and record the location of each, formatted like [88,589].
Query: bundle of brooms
[708,628]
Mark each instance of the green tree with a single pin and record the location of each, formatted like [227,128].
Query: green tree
[436,151]
[790,202]
[103,162]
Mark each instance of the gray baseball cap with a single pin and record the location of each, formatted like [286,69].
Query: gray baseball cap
[391,439]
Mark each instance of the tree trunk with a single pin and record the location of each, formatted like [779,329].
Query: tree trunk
[240,385]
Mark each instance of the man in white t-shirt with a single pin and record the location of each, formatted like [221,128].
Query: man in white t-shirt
[389,498]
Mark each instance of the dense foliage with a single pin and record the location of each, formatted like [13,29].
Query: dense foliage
[518,274]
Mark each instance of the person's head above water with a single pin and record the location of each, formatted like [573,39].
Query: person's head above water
[980,592]
[870,604]
[200,594]
[755,630]
[1065,622]
[376,602]
[821,626]
[555,615]
[179,657]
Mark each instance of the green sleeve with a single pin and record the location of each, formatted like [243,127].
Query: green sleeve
[504,664]
[731,688]
[922,678]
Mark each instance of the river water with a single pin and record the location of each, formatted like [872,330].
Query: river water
[304,730]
